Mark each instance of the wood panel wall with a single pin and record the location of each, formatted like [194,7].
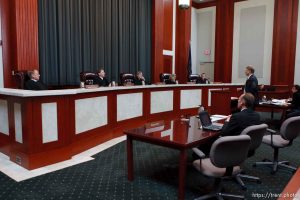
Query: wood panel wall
[157,39]
[284,42]
[8,40]
[27,34]
[183,38]
[19,21]
[168,24]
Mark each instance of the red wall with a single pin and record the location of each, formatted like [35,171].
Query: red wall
[19,20]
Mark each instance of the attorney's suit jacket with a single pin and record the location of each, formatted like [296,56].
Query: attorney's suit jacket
[296,100]
[239,121]
[251,86]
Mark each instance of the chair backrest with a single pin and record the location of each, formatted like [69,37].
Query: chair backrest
[193,77]
[290,128]
[164,76]
[84,76]
[256,133]
[230,151]
[126,78]
[20,78]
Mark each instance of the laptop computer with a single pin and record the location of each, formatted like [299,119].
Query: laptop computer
[207,123]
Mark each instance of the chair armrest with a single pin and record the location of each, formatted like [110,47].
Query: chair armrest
[199,153]
[272,133]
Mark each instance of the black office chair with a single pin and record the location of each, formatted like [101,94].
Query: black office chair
[87,77]
[226,154]
[164,76]
[20,78]
[193,78]
[289,130]
[126,79]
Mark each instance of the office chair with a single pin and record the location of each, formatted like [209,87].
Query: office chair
[86,76]
[226,154]
[20,78]
[126,79]
[256,133]
[164,76]
[193,78]
[289,130]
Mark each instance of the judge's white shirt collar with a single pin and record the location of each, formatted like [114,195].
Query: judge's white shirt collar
[249,76]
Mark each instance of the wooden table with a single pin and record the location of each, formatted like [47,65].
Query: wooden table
[273,108]
[180,134]
[292,190]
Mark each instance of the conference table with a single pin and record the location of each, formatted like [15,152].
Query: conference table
[180,134]
[274,107]
[39,128]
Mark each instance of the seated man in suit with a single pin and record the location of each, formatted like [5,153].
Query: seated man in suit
[139,79]
[171,80]
[203,79]
[34,83]
[237,122]
[295,102]
[100,79]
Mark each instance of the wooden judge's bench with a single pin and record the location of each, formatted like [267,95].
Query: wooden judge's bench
[39,128]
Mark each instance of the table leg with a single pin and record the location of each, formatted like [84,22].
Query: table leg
[182,174]
[129,159]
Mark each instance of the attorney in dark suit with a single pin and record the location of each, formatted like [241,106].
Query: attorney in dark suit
[139,79]
[251,85]
[295,103]
[100,79]
[236,123]
[34,83]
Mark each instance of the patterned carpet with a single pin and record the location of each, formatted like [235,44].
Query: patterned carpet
[106,177]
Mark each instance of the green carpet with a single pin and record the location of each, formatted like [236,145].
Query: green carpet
[106,177]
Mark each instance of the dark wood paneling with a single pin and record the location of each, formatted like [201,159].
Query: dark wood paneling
[168,24]
[157,39]
[8,40]
[27,34]
[224,41]
[19,21]
[284,42]
[168,61]
[183,37]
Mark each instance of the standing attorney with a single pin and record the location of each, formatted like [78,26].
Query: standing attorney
[34,83]
[251,85]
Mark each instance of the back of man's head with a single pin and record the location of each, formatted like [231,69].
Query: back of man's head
[250,68]
[248,99]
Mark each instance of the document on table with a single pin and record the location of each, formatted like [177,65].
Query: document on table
[217,117]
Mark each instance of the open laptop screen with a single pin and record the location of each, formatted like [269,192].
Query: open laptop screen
[205,118]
